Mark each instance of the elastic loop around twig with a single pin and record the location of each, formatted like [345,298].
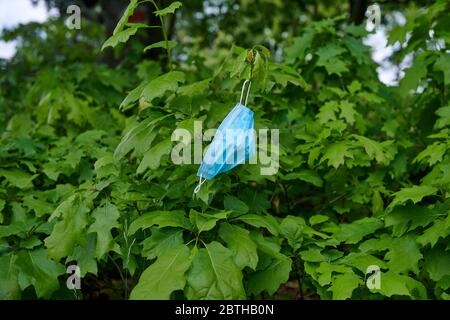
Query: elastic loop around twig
[200,182]
[248,91]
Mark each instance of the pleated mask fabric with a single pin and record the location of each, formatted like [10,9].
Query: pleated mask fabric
[233,143]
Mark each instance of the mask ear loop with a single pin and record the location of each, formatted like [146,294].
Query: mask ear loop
[248,91]
[200,182]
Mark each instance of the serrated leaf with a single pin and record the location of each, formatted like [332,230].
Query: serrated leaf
[433,233]
[336,154]
[164,276]
[9,277]
[399,285]
[329,58]
[403,255]
[353,232]
[205,221]
[292,229]
[258,221]
[214,275]
[434,153]
[70,230]
[195,88]
[437,263]
[132,96]
[37,269]
[299,47]
[169,44]
[343,286]
[408,218]
[414,193]
[18,178]
[138,136]
[166,82]
[160,241]
[152,157]
[239,242]
[269,278]
[347,111]
[327,112]
[443,64]
[170,9]
[126,15]
[106,218]
[119,37]
[163,219]
[234,204]
[374,149]
[305,175]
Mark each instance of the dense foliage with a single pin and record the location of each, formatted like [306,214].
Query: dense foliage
[86,176]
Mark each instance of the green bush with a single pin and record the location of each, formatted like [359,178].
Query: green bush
[363,178]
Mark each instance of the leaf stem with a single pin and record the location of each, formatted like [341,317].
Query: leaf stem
[163,27]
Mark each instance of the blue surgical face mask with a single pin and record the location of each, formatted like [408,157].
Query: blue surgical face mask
[233,143]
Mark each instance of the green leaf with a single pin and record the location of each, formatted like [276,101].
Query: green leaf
[361,261]
[161,218]
[9,277]
[408,218]
[292,229]
[234,204]
[152,157]
[437,263]
[132,96]
[18,178]
[241,245]
[126,15]
[195,88]
[317,219]
[70,230]
[297,51]
[431,236]
[305,175]
[139,135]
[414,74]
[272,271]
[166,82]
[85,256]
[258,221]
[443,64]
[164,276]
[205,221]
[336,154]
[106,218]
[327,112]
[403,255]
[328,57]
[352,233]
[434,152]
[399,285]
[414,193]
[161,241]
[343,286]
[119,37]
[347,111]
[170,44]
[374,149]
[38,270]
[260,70]
[214,275]
[239,64]
[444,118]
[170,9]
